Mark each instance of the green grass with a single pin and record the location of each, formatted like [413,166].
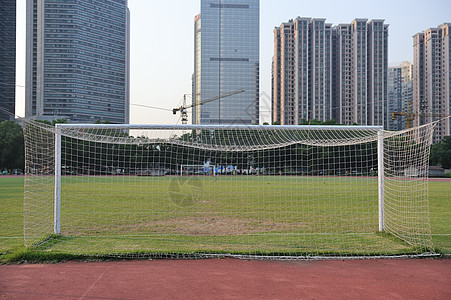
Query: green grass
[440,215]
[11,213]
[183,224]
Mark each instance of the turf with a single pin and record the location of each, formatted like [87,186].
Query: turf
[11,212]
[218,214]
[178,237]
[440,215]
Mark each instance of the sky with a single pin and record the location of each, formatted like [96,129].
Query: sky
[162,44]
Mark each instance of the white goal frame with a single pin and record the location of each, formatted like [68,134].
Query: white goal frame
[58,151]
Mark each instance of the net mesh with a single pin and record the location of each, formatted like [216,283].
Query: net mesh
[202,191]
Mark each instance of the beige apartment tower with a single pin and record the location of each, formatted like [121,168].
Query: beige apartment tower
[324,72]
[302,76]
[431,97]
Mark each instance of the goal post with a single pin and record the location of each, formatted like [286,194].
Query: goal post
[57,208]
[380,176]
[296,191]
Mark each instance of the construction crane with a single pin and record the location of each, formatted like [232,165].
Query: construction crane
[183,109]
[410,115]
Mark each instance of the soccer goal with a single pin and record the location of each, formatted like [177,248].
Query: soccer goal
[205,169]
[244,191]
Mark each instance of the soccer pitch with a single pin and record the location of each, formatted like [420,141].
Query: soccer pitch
[232,214]
[211,215]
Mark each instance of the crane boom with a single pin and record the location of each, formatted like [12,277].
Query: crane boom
[216,98]
[182,109]
[410,115]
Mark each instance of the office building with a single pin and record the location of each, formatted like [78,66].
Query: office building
[7,59]
[400,95]
[432,78]
[226,59]
[394,96]
[328,72]
[78,60]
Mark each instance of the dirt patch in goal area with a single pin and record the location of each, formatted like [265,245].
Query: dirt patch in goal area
[200,226]
[229,279]
[197,226]
[218,225]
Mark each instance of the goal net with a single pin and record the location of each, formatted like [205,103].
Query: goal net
[205,191]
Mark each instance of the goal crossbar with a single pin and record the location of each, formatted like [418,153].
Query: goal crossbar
[220,127]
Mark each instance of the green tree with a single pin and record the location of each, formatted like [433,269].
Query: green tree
[441,153]
[98,121]
[11,146]
[57,121]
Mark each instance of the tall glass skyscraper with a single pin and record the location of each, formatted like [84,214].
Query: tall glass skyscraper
[7,59]
[227,59]
[78,60]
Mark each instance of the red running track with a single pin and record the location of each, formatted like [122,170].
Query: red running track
[230,279]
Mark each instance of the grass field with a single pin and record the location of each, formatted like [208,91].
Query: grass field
[189,228]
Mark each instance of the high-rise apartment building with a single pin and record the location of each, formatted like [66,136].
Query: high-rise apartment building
[323,72]
[400,94]
[302,65]
[377,70]
[394,96]
[432,78]
[226,59]
[360,72]
[78,60]
[343,89]
[7,59]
